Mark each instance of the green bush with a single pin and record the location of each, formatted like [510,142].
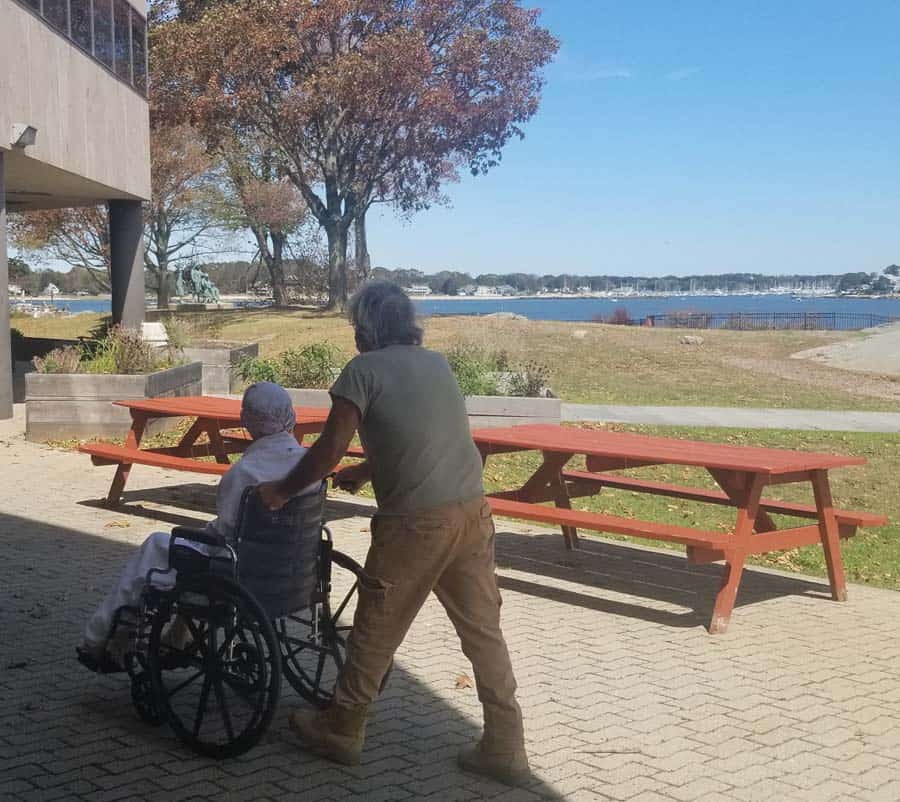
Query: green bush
[256,369]
[312,367]
[122,351]
[484,371]
[475,367]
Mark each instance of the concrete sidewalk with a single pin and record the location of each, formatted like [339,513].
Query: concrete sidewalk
[737,418]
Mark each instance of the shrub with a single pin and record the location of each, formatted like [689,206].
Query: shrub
[474,369]
[178,331]
[122,351]
[620,317]
[59,360]
[314,366]
[255,369]
[529,380]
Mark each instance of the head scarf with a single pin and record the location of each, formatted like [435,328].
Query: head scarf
[267,409]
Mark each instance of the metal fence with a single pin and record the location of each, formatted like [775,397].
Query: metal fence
[765,321]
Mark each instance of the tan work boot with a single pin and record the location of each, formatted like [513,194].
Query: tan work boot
[336,733]
[508,767]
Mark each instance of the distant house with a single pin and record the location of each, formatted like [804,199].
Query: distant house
[481,290]
[469,289]
[51,290]
[506,289]
[418,289]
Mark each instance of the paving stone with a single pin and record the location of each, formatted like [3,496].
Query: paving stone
[626,696]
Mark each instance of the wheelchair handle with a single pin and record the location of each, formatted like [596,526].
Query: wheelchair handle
[198,535]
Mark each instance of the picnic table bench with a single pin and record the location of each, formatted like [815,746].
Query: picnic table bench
[219,419]
[741,472]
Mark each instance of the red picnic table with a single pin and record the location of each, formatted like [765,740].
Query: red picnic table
[741,472]
[219,419]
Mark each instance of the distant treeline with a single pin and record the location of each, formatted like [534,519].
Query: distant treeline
[243,276]
[451,282]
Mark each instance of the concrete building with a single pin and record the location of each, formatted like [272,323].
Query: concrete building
[74,131]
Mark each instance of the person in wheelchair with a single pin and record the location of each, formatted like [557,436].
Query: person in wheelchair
[267,413]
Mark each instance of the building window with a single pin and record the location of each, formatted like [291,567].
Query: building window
[109,30]
[103,46]
[81,23]
[56,12]
[123,39]
[139,52]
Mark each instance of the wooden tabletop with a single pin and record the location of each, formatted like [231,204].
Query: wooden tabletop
[206,406]
[644,449]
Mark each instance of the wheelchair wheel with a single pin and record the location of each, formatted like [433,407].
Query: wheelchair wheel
[220,689]
[314,641]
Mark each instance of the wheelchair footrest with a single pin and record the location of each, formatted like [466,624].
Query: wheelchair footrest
[105,665]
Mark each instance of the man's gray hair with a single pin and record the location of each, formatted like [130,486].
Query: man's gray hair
[383,315]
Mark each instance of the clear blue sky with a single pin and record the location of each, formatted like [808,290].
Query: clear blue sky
[689,137]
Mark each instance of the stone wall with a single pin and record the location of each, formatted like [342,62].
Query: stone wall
[62,406]
[485,412]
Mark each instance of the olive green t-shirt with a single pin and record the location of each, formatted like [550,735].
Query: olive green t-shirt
[414,428]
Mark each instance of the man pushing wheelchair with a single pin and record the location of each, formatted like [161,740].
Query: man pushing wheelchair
[433,532]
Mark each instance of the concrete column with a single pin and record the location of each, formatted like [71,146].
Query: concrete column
[6,367]
[126,251]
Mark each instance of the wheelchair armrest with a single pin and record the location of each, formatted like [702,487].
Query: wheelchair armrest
[199,535]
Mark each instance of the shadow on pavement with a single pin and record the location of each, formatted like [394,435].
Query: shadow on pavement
[659,577]
[66,732]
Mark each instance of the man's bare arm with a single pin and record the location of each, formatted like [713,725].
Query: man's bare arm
[321,458]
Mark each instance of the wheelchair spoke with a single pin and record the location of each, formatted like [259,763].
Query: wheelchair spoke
[344,603]
[188,681]
[226,716]
[319,669]
[201,707]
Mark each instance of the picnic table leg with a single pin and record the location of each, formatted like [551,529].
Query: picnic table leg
[549,476]
[186,443]
[132,440]
[747,502]
[730,482]
[215,440]
[829,532]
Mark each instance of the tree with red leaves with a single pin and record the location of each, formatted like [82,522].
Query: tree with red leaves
[362,99]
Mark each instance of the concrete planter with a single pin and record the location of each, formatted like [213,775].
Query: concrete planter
[66,406]
[485,411]
[219,363]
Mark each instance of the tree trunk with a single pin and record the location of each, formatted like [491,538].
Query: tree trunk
[275,263]
[162,288]
[363,261]
[337,266]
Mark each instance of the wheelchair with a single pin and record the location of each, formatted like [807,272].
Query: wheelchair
[207,649]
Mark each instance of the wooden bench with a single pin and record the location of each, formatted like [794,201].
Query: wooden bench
[615,524]
[848,520]
[110,454]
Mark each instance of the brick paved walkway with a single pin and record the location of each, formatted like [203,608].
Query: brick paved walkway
[625,695]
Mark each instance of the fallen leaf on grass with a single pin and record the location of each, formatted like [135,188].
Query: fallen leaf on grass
[462,681]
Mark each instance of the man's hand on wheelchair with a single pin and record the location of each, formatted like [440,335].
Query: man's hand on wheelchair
[272,495]
[352,478]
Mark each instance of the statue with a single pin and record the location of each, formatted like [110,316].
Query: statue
[194,281]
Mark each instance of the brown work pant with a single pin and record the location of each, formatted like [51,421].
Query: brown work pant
[449,550]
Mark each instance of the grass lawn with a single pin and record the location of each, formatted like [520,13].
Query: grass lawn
[872,557]
[609,365]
